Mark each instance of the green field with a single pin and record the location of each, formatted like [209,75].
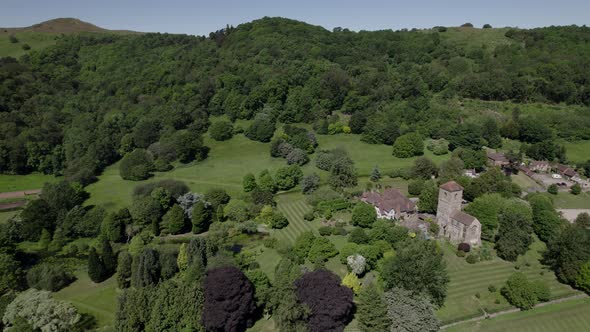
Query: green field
[37,41]
[571,316]
[5,215]
[98,300]
[475,37]
[469,279]
[230,160]
[578,151]
[24,182]
[566,200]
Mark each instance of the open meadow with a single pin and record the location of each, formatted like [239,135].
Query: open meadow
[230,160]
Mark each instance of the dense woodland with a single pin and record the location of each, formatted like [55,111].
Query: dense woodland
[80,105]
[146,100]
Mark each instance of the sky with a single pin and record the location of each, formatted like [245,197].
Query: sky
[199,17]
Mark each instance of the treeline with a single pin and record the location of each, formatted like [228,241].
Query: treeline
[84,103]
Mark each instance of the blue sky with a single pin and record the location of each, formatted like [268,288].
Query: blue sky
[201,17]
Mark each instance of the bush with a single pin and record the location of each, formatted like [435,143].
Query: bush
[221,130]
[552,189]
[26,47]
[465,247]
[297,157]
[309,216]
[576,189]
[492,288]
[472,259]
[461,253]
[415,187]
[408,145]
[325,230]
[137,165]
[49,277]
[270,242]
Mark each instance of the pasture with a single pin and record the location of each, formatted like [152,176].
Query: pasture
[467,280]
[566,200]
[35,40]
[571,316]
[578,151]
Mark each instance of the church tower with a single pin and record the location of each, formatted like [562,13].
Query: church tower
[450,197]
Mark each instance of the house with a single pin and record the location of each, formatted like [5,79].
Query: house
[456,225]
[497,159]
[567,171]
[391,204]
[526,171]
[539,166]
[471,173]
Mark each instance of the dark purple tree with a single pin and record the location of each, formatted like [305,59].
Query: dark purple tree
[330,302]
[229,300]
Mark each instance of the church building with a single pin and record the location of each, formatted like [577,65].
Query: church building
[456,225]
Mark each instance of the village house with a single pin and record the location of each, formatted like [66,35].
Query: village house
[456,225]
[567,171]
[391,204]
[497,159]
[539,166]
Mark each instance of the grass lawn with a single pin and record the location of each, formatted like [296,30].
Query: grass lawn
[230,160]
[578,151]
[571,316]
[470,279]
[24,182]
[524,181]
[293,206]
[565,200]
[98,300]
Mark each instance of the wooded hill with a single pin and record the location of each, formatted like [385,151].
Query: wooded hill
[79,105]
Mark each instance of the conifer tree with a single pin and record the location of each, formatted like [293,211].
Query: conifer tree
[108,258]
[96,270]
[124,269]
[375,174]
[182,259]
[372,310]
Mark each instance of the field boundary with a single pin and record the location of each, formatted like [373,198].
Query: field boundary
[485,315]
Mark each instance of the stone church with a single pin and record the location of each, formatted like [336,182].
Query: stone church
[456,225]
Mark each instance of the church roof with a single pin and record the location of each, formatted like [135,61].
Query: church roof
[463,218]
[451,186]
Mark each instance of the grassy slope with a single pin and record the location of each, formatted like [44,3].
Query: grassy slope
[469,279]
[98,300]
[578,151]
[36,40]
[571,316]
[474,37]
[565,200]
[230,160]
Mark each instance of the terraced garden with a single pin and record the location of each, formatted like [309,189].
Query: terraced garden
[468,280]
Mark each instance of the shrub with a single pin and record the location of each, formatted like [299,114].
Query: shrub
[309,216]
[221,130]
[49,277]
[415,187]
[552,189]
[461,253]
[492,288]
[270,242]
[576,189]
[137,165]
[325,230]
[26,47]
[297,157]
[465,247]
[472,258]
[408,145]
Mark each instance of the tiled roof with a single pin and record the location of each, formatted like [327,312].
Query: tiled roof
[391,199]
[498,157]
[451,186]
[463,218]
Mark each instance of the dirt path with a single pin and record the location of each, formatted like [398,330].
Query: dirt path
[571,214]
[19,194]
[509,311]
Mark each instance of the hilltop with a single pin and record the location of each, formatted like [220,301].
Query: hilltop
[62,25]
[41,35]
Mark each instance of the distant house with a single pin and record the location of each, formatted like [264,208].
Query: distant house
[472,173]
[526,171]
[456,225]
[539,166]
[391,204]
[497,159]
[567,171]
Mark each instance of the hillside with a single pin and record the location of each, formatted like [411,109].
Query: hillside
[41,35]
